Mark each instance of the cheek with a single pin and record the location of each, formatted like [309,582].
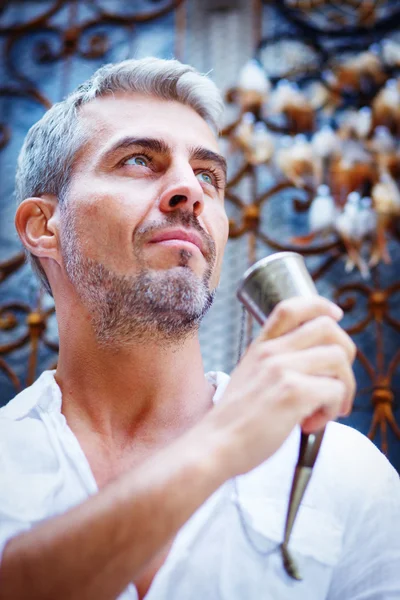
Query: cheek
[104,224]
[97,228]
[219,232]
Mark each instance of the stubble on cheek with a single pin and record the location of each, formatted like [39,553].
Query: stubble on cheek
[168,304]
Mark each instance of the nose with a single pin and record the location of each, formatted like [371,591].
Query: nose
[184,193]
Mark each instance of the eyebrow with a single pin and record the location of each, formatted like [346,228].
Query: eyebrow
[156,145]
[200,153]
[161,147]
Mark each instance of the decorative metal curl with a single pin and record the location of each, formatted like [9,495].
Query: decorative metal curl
[27,326]
[330,245]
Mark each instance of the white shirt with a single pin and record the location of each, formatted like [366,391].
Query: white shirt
[346,539]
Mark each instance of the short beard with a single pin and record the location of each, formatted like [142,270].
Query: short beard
[166,306]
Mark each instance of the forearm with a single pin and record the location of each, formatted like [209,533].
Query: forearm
[97,548]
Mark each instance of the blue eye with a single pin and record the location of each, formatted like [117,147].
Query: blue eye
[205,177]
[140,161]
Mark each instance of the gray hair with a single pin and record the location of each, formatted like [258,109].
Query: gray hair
[46,158]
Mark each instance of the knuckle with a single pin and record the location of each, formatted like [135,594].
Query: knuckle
[352,384]
[335,401]
[338,353]
[353,350]
[327,326]
[288,388]
[283,310]
[256,352]
[262,352]
[342,392]
[275,370]
[266,350]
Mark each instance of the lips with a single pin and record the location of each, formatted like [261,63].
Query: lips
[179,235]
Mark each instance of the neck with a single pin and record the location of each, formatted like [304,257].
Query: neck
[143,389]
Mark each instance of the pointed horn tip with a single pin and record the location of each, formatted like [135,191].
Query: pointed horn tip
[289,564]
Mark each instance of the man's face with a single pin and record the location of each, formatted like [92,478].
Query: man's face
[144,226]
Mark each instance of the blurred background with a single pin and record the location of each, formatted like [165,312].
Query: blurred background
[311,133]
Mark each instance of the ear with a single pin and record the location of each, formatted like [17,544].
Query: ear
[37,224]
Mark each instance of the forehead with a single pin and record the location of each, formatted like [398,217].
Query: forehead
[122,114]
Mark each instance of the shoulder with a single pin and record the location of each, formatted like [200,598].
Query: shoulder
[354,482]
[352,458]
[24,435]
[353,493]
[31,459]
[347,463]
[350,473]
[40,394]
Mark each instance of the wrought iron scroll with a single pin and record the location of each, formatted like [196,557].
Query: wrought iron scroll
[370,307]
[64,29]
[27,323]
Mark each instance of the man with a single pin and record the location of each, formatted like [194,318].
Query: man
[128,473]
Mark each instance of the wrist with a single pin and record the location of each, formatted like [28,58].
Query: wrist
[213,448]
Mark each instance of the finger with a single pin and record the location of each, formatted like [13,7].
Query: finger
[291,313]
[316,422]
[326,413]
[320,331]
[318,400]
[323,361]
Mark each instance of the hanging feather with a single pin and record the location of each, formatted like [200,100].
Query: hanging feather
[386,196]
[367,219]
[386,201]
[321,216]
[262,145]
[243,133]
[353,169]
[253,87]
[287,99]
[392,165]
[382,141]
[367,224]
[363,73]
[325,142]
[383,145]
[322,97]
[347,226]
[299,163]
[391,53]
[322,213]
[386,107]
[356,123]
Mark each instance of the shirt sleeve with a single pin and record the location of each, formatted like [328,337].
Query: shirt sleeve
[369,568]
